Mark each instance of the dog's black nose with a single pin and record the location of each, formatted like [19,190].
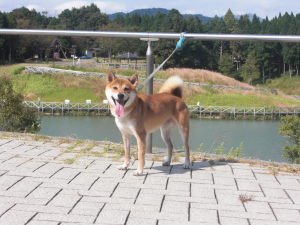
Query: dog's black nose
[120,96]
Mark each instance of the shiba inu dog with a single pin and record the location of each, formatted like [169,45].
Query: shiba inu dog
[139,114]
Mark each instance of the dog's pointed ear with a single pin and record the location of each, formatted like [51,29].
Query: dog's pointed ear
[110,77]
[133,79]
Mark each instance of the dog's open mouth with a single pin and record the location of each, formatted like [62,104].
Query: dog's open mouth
[119,110]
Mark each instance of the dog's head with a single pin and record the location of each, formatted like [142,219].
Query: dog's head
[120,93]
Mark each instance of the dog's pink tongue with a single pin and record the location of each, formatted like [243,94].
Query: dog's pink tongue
[119,110]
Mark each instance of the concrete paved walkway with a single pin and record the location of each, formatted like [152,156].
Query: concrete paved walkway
[38,187]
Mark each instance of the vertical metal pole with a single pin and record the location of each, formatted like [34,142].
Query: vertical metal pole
[149,88]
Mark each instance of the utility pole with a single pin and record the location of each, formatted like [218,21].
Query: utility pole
[149,85]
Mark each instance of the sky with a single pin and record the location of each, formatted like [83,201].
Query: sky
[210,8]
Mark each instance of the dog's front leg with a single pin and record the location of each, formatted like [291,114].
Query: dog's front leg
[141,141]
[126,141]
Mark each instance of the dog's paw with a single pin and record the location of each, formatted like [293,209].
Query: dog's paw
[122,167]
[137,173]
[186,165]
[166,163]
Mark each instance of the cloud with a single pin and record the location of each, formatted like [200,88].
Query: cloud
[36,7]
[110,7]
[70,5]
[189,12]
[104,6]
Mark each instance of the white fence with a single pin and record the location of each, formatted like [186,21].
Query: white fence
[59,106]
[139,66]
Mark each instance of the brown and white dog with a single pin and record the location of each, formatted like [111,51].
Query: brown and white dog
[139,114]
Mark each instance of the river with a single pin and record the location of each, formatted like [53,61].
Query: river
[260,139]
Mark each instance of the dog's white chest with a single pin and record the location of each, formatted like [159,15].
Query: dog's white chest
[125,125]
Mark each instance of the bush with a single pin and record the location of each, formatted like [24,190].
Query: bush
[17,70]
[291,130]
[14,116]
[19,60]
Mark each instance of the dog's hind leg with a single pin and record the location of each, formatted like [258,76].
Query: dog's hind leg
[165,131]
[183,123]
[127,142]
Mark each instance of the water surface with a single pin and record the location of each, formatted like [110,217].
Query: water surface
[259,138]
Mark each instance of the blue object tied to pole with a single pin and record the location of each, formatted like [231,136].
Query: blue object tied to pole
[179,44]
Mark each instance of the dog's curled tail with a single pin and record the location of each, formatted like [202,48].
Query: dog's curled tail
[173,86]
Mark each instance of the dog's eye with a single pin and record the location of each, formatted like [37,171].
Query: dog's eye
[126,89]
[115,88]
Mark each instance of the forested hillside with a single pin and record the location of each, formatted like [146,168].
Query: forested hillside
[251,62]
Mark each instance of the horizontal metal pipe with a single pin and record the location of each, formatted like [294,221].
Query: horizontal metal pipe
[118,34]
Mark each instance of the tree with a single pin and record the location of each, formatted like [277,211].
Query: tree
[251,68]
[119,19]
[226,66]
[291,130]
[229,18]
[14,116]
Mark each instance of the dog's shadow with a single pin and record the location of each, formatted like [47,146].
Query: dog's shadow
[177,168]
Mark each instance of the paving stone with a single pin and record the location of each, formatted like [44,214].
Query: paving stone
[198,191]
[247,215]
[112,216]
[66,174]
[178,186]
[258,207]
[5,206]
[172,222]
[125,192]
[69,218]
[202,205]
[224,181]
[266,222]
[149,199]
[64,200]
[87,208]
[135,221]
[175,207]
[3,141]
[285,206]
[233,221]
[287,215]
[133,207]
[274,193]
[40,222]
[203,215]
[34,185]
[294,195]
[8,181]
[226,199]
[42,208]
[191,199]
[245,185]
[14,217]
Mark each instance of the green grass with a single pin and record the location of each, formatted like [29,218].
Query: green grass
[256,99]
[41,85]
[57,88]
[289,86]
[74,95]
[48,88]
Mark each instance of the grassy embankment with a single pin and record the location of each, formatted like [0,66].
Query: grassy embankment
[57,88]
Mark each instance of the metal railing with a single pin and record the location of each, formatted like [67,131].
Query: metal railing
[297,97]
[60,106]
[118,34]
